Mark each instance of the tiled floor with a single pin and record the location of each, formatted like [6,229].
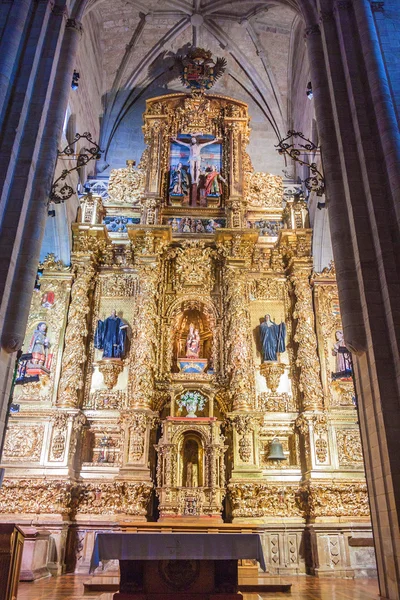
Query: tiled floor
[70,587]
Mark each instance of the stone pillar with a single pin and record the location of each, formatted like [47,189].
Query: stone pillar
[339,212]
[10,46]
[27,195]
[357,138]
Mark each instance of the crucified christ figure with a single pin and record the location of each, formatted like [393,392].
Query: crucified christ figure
[194,156]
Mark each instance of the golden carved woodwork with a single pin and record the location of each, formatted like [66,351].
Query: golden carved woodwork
[272,373]
[111,498]
[158,280]
[259,499]
[264,190]
[51,264]
[37,496]
[334,499]
[74,357]
[349,447]
[105,399]
[110,369]
[245,425]
[142,369]
[119,285]
[51,496]
[194,266]
[307,358]
[295,214]
[127,185]
[23,443]
[275,402]
[239,356]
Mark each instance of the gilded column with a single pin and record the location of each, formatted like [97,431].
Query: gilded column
[296,249]
[148,245]
[88,245]
[240,364]
[144,353]
[238,248]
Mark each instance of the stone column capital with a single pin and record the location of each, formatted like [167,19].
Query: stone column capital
[74,24]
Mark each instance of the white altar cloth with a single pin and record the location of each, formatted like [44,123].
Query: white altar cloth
[177,546]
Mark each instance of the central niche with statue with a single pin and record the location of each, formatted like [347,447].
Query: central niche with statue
[193,345]
[191,459]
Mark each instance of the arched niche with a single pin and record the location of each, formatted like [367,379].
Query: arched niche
[203,317]
[191,460]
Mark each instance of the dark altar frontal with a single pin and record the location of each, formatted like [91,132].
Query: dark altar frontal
[177,565]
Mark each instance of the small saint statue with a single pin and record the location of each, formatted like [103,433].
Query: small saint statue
[272,337]
[343,357]
[213,182]
[193,342]
[179,181]
[110,336]
[39,345]
[192,479]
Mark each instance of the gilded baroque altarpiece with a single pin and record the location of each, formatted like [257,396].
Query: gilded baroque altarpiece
[191,249]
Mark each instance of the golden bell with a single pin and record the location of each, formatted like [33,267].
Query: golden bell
[276,451]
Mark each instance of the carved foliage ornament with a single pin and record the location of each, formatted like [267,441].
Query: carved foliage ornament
[51,496]
[263,500]
[127,185]
[264,190]
[194,265]
[23,443]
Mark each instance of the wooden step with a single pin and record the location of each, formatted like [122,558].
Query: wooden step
[101,583]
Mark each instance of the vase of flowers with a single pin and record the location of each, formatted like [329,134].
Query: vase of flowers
[192,401]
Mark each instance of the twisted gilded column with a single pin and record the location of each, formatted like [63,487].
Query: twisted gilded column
[148,244]
[238,247]
[296,248]
[74,356]
[88,246]
[240,364]
[144,354]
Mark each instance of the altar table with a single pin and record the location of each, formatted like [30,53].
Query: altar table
[173,566]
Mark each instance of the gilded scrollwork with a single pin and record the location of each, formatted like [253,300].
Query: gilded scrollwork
[331,499]
[349,447]
[111,498]
[127,185]
[23,443]
[194,266]
[35,496]
[142,366]
[264,190]
[259,499]
[106,400]
[119,285]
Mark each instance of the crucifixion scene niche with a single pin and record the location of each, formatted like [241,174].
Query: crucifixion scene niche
[195,177]
[193,342]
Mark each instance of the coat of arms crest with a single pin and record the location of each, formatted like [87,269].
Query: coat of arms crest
[199,71]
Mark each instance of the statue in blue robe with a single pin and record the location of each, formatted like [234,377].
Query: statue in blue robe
[110,336]
[272,337]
